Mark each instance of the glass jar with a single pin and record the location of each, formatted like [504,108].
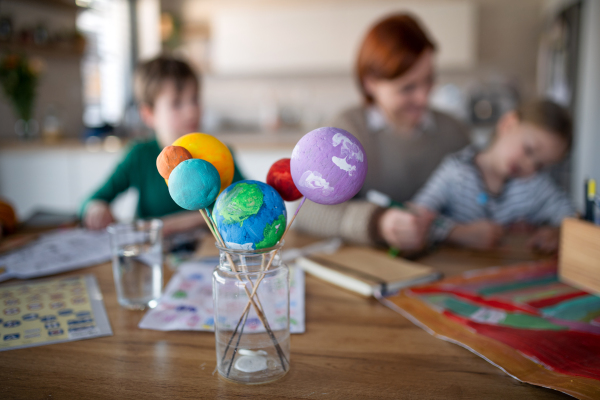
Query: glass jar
[252,339]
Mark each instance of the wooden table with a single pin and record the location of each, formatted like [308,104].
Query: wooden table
[353,348]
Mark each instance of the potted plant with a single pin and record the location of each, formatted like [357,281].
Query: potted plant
[19,78]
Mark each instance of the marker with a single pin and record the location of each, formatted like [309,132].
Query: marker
[385,201]
[590,194]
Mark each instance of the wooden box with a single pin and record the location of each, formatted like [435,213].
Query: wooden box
[579,256]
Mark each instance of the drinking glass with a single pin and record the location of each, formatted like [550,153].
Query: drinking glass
[137,260]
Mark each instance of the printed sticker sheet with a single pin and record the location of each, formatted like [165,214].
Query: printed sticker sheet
[40,312]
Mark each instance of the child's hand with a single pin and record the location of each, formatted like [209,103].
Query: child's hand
[521,227]
[97,215]
[483,234]
[404,230]
[545,239]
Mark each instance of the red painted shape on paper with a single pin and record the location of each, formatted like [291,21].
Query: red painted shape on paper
[556,299]
[568,352]
[479,300]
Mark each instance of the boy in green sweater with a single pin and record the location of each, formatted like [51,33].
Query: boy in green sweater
[167,91]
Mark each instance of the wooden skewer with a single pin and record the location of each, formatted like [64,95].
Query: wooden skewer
[235,349]
[275,253]
[243,317]
[287,228]
[222,243]
[247,308]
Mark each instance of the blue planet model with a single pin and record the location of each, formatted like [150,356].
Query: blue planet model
[250,215]
[194,184]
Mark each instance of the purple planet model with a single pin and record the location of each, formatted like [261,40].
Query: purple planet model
[328,165]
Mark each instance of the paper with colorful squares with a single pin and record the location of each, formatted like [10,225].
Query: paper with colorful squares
[40,312]
[527,308]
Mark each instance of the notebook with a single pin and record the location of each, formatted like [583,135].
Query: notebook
[367,271]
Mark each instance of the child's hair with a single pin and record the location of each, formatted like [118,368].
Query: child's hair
[152,74]
[547,115]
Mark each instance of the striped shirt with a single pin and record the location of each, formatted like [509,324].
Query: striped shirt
[457,191]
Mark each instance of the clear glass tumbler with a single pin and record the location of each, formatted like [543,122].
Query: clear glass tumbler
[137,262]
[252,339]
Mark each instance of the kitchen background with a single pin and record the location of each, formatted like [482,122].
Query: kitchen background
[272,71]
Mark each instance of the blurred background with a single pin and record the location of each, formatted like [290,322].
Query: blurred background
[272,71]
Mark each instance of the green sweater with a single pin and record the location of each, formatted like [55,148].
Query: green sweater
[138,170]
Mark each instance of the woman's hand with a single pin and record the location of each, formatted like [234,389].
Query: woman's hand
[545,239]
[404,230]
[97,215]
[483,235]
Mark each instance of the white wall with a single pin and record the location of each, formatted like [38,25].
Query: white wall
[506,39]
[148,20]
[324,37]
[586,152]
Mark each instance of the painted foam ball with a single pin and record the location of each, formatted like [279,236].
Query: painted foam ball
[280,178]
[250,215]
[211,149]
[328,165]
[169,158]
[194,184]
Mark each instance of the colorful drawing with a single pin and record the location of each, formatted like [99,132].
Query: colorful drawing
[195,310]
[526,308]
[328,165]
[250,215]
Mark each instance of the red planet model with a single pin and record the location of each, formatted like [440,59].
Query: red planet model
[280,178]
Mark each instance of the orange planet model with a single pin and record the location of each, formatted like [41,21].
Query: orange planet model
[169,158]
[211,149]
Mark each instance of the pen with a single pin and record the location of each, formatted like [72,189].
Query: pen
[590,194]
[384,200]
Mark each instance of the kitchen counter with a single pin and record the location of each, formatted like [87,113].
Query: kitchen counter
[238,141]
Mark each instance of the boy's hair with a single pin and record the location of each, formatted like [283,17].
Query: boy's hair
[152,74]
[547,115]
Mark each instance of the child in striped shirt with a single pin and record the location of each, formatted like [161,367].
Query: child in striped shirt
[479,193]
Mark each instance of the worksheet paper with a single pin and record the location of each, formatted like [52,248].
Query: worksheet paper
[187,302]
[56,252]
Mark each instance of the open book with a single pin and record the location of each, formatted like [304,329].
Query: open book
[365,270]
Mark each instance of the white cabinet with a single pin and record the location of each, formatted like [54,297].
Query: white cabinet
[29,179]
[324,37]
[57,178]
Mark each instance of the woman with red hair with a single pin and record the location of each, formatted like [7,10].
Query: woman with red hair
[405,140]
